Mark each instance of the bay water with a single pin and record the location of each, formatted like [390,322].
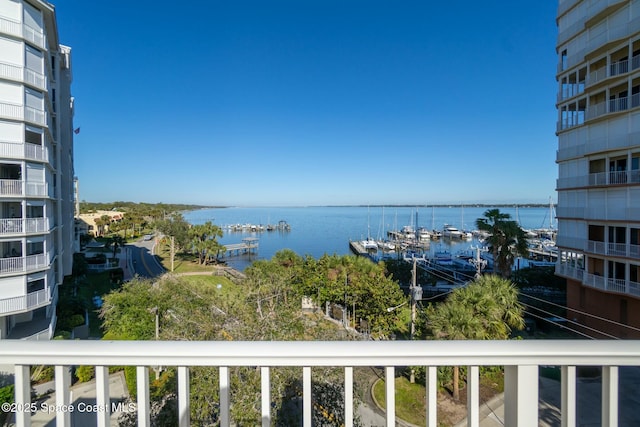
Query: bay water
[320,230]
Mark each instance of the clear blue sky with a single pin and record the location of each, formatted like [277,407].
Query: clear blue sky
[283,103]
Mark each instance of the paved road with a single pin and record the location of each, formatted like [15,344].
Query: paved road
[142,260]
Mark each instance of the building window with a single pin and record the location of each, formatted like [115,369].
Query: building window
[35,286]
[563,60]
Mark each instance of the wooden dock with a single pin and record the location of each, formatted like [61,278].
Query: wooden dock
[248,245]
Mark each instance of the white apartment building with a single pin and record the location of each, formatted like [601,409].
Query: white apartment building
[36,168]
[598,160]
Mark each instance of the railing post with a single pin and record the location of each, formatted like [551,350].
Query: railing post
[568,400]
[144,413]
[225,401]
[609,396]
[348,396]
[23,395]
[521,396]
[390,394]
[63,395]
[265,389]
[306,397]
[102,396]
[184,411]
[432,396]
[473,396]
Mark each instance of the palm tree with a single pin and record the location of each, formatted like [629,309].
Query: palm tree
[506,239]
[487,309]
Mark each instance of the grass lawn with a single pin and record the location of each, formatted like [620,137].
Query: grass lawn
[410,400]
[183,263]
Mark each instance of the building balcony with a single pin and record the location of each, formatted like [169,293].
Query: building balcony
[620,286]
[613,249]
[24,303]
[521,360]
[11,226]
[23,113]
[19,188]
[19,151]
[571,272]
[14,28]
[23,264]
[600,179]
[23,75]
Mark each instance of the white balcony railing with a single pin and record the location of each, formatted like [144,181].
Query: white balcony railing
[30,301]
[13,187]
[23,264]
[600,178]
[521,360]
[570,271]
[23,225]
[17,150]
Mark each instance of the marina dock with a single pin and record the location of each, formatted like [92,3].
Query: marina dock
[248,245]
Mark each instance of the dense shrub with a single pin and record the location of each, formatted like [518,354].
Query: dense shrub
[85,373]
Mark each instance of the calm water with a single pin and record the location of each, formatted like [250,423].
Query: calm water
[319,230]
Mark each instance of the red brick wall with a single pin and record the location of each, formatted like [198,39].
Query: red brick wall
[602,304]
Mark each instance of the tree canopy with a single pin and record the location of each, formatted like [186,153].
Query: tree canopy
[506,239]
[265,306]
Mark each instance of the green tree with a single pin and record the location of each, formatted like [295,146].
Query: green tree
[486,309]
[204,241]
[506,239]
[177,228]
[188,311]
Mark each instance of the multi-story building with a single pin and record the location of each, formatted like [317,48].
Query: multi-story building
[36,168]
[598,160]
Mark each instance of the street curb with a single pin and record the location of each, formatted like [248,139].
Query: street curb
[399,421]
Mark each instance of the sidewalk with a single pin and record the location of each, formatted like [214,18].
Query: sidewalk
[83,405]
[588,405]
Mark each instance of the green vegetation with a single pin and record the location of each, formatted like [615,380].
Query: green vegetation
[410,400]
[487,309]
[154,209]
[506,239]
[200,309]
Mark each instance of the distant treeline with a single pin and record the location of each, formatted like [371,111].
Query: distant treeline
[466,205]
[87,207]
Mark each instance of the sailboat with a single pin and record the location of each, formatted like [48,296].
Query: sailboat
[384,244]
[369,244]
[466,234]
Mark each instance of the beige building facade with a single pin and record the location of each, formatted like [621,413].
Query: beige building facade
[598,103]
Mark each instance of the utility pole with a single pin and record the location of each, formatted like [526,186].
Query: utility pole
[415,292]
[173,252]
[479,263]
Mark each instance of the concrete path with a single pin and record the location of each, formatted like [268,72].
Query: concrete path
[83,406]
[588,406]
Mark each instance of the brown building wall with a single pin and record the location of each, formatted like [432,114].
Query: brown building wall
[623,309]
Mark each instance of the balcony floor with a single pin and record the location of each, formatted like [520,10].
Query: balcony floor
[39,324]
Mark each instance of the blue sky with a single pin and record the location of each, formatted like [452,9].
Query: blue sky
[280,103]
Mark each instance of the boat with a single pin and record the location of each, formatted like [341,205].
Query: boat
[424,234]
[369,244]
[386,245]
[451,232]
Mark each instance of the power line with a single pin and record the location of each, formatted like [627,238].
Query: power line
[571,321]
[583,312]
[561,326]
